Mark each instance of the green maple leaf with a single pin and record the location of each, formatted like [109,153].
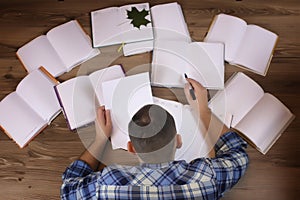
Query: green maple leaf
[138,17]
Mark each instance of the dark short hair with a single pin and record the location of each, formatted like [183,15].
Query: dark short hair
[151,128]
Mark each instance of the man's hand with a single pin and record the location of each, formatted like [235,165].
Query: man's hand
[103,125]
[201,101]
[103,122]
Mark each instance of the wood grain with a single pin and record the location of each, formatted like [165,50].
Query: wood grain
[34,172]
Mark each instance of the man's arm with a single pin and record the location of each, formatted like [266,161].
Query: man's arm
[229,158]
[78,179]
[213,127]
[230,162]
[103,127]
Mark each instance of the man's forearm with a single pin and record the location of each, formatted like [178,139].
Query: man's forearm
[94,152]
[214,128]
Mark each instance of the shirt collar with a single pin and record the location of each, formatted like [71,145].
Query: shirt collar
[157,165]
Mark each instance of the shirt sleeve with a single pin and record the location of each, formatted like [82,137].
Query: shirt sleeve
[79,181]
[231,161]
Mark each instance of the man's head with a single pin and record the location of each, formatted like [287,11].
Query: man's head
[153,134]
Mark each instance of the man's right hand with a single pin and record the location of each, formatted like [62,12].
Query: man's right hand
[201,101]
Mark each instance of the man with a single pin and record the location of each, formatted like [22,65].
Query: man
[154,139]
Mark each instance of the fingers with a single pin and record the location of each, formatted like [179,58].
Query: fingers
[101,115]
[108,118]
[200,93]
[104,121]
[199,90]
[187,93]
[195,84]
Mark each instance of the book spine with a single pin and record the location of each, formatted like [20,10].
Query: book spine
[209,28]
[22,63]
[3,129]
[123,69]
[271,57]
[38,132]
[52,78]
[62,107]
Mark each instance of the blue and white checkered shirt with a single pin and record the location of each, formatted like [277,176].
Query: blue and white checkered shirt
[203,178]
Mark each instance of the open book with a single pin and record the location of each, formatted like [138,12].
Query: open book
[201,61]
[27,111]
[247,46]
[168,24]
[116,25]
[124,97]
[61,49]
[80,96]
[259,116]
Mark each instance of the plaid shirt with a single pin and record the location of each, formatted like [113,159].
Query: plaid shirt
[203,178]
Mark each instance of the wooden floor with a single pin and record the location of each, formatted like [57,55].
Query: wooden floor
[34,172]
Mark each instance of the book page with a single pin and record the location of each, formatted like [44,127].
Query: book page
[124,97]
[37,91]
[265,121]
[206,64]
[169,63]
[70,42]
[78,99]
[169,22]
[134,48]
[19,120]
[131,33]
[172,59]
[39,52]
[103,75]
[106,27]
[193,143]
[241,93]
[256,49]
[228,30]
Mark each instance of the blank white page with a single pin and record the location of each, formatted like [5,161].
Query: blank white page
[38,92]
[79,101]
[206,64]
[169,22]
[171,59]
[39,52]
[241,93]
[124,97]
[256,49]
[169,63]
[71,43]
[103,75]
[228,30]
[18,119]
[106,26]
[265,121]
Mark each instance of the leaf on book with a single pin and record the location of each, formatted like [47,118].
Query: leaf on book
[138,17]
